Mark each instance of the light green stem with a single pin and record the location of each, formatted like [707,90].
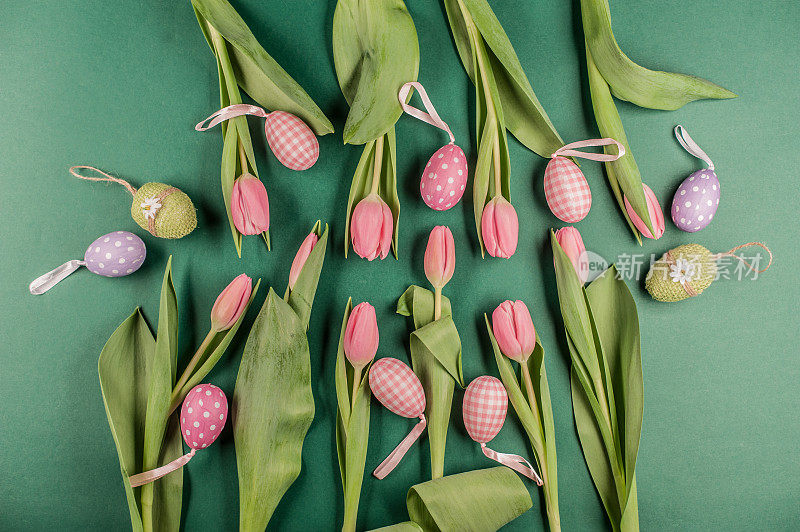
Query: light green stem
[356,382]
[437,303]
[377,165]
[175,398]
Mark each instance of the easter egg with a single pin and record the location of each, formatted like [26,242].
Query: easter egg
[485,405]
[566,190]
[203,415]
[696,201]
[163,211]
[115,254]
[444,178]
[681,273]
[291,140]
[397,387]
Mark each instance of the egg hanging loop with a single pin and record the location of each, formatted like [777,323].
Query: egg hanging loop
[691,146]
[107,177]
[431,117]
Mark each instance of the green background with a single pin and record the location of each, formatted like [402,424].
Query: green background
[120,85]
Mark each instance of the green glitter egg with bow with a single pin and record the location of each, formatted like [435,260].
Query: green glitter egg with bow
[163,210]
[681,273]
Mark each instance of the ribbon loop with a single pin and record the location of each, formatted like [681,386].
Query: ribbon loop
[155,474]
[45,282]
[395,456]
[569,150]
[431,117]
[691,146]
[515,462]
[232,111]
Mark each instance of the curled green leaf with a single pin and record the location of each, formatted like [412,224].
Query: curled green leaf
[631,82]
[375,51]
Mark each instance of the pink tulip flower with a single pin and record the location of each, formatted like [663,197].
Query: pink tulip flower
[655,212]
[230,303]
[500,228]
[250,205]
[513,329]
[301,258]
[371,228]
[440,256]
[571,242]
[361,336]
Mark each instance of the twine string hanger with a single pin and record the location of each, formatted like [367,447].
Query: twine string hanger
[108,177]
[732,253]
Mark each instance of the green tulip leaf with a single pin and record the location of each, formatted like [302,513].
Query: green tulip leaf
[524,115]
[623,174]
[273,407]
[301,298]
[634,83]
[407,526]
[417,303]
[124,368]
[375,51]
[258,74]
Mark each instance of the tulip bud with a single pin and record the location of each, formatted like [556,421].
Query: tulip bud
[500,228]
[250,205]
[571,242]
[440,256]
[513,329]
[653,209]
[371,228]
[230,303]
[301,258]
[361,335]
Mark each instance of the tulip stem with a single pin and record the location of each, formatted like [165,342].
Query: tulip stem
[175,399]
[437,303]
[243,158]
[526,377]
[498,186]
[356,383]
[377,165]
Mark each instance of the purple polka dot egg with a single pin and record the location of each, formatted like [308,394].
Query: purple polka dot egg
[203,415]
[115,254]
[696,201]
[444,178]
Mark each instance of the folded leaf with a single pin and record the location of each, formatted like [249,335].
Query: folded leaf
[256,71]
[375,51]
[634,83]
[436,359]
[407,526]
[273,407]
[301,298]
[482,500]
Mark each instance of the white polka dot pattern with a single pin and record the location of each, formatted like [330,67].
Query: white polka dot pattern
[115,254]
[291,140]
[203,415]
[696,201]
[397,387]
[566,190]
[484,408]
[444,178]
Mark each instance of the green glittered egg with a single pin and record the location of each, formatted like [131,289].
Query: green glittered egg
[163,210]
[681,273]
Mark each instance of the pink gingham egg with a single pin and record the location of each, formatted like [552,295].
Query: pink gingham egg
[485,406]
[397,387]
[566,190]
[115,254]
[203,415]
[291,140]
[444,178]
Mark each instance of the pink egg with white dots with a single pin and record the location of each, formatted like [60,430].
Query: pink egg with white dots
[444,178]
[203,415]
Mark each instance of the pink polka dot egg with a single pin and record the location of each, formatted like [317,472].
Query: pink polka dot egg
[444,178]
[203,415]
[115,254]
